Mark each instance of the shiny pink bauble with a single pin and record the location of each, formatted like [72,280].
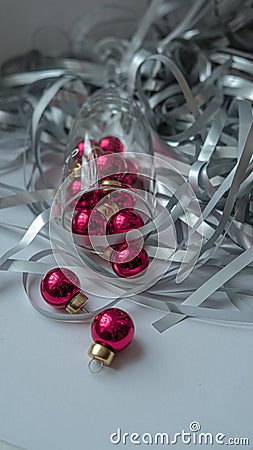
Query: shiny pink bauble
[113,328]
[80,147]
[131,174]
[110,166]
[89,199]
[78,152]
[134,265]
[123,221]
[73,188]
[111,144]
[123,199]
[59,287]
[89,222]
[80,221]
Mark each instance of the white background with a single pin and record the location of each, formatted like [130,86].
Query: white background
[196,371]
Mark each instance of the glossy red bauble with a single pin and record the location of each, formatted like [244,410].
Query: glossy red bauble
[111,144]
[58,287]
[72,190]
[123,198]
[130,260]
[113,328]
[89,200]
[78,152]
[131,173]
[123,221]
[110,166]
[80,148]
[89,222]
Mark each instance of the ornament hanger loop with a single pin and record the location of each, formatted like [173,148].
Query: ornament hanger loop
[95,366]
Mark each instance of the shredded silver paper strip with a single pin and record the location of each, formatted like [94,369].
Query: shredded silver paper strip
[189,65]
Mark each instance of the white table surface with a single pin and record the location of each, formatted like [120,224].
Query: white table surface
[197,371]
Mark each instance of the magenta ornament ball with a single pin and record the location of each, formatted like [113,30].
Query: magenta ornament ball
[113,328]
[124,221]
[59,287]
[129,261]
[111,144]
[123,198]
[89,222]
[89,199]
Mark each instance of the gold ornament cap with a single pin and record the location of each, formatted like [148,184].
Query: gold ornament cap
[101,353]
[75,172]
[110,185]
[76,304]
[108,209]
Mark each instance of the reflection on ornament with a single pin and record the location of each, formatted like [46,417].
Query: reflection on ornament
[123,221]
[111,144]
[123,198]
[78,153]
[61,289]
[89,199]
[124,261]
[131,174]
[89,222]
[73,189]
[111,166]
[112,331]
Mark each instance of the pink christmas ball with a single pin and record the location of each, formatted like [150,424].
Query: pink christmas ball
[123,221]
[97,224]
[131,174]
[113,328]
[89,222]
[78,152]
[58,287]
[124,199]
[81,147]
[80,221]
[111,144]
[89,200]
[128,264]
[110,166]
[73,189]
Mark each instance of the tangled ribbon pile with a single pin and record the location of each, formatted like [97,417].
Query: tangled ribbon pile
[189,66]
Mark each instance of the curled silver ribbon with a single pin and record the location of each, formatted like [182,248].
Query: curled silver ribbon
[194,82]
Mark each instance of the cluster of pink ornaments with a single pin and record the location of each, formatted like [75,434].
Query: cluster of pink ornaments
[90,221]
[113,329]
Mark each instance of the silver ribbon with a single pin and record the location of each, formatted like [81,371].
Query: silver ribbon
[197,94]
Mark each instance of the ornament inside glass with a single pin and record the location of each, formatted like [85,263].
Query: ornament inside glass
[109,172]
[110,123]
